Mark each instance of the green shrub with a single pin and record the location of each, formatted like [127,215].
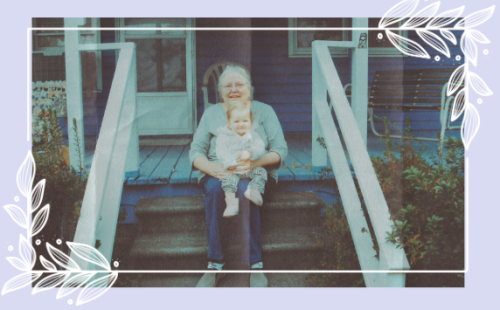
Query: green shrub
[64,187]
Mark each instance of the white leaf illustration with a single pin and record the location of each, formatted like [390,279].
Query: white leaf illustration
[50,282]
[26,175]
[47,264]
[448,35]
[27,252]
[476,18]
[445,18]
[434,41]
[398,12]
[37,195]
[407,46]
[479,85]
[19,264]
[458,105]
[73,283]
[20,281]
[422,16]
[470,125]
[89,254]
[17,215]
[96,288]
[62,259]
[456,80]
[478,36]
[40,220]
[469,47]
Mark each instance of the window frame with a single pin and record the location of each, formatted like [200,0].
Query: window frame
[306,52]
[59,50]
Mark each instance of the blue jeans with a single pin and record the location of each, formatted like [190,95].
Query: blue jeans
[248,220]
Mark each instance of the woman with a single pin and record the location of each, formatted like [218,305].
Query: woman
[235,86]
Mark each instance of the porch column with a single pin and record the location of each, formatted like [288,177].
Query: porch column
[74,92]
[359,75]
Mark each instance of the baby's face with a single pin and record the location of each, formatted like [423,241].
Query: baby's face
[240,122]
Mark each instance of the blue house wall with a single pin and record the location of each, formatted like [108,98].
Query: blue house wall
[278,80]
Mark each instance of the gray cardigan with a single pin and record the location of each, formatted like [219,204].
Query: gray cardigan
[268,128]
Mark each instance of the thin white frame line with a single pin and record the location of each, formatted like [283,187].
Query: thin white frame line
[270,271]
[466,218]
[252,271]
[29,105]
[240,28]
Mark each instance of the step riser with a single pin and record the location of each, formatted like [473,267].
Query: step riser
[196,221]
[273,260]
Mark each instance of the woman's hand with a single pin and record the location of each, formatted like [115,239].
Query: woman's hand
[244,166]
[219,172]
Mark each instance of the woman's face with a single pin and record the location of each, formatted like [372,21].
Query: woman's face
[235,88]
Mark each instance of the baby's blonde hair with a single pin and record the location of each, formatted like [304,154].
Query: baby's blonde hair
[239,107]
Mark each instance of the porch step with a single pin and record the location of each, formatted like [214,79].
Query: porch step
[187,213]
[282,249]
[230,280]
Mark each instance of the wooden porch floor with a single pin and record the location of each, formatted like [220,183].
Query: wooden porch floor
[170,164]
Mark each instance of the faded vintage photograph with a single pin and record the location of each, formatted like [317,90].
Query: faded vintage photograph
[184,149]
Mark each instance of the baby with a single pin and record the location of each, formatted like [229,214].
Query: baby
[239,141]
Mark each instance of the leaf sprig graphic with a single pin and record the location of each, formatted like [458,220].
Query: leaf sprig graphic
[66,274]
[461,77]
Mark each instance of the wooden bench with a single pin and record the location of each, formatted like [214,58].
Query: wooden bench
[409,90]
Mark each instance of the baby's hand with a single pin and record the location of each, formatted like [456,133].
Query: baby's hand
[246,155]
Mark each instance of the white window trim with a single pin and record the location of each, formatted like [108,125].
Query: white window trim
[306,52]
[59,50]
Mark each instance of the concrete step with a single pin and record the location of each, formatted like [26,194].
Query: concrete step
[283,249]
[187,213]
[230,280]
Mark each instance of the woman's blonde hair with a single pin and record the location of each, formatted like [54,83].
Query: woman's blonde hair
[235,68]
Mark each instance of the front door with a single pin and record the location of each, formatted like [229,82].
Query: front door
[165,74]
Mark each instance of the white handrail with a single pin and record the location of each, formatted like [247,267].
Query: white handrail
[326,81]
[117,151]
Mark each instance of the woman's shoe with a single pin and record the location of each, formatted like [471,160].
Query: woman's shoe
[232,207]
[211,279]
[254,196]
[258,279]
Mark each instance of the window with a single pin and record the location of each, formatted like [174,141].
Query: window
[300,41]
[51,43]
[161,54]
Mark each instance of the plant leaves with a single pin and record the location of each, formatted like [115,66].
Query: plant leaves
[445,18]
[407,46]
[96,288]
[469,47]
[422,16]
[478,36]
[50,282]
[73,283]
[18,215]
[62,259]
[20,281]
[47,264]
[26,175]
[434,41]
[27,252]
[476,18]
[398,12]
[449,36]
[456,80]
[89,254]
[470,125]
[37,195]
[479,85]
[19,264]
[458,105]
[40,220]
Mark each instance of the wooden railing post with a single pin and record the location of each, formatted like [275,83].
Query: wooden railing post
[319,155]
[359,76]
[74,92]
[132,161]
